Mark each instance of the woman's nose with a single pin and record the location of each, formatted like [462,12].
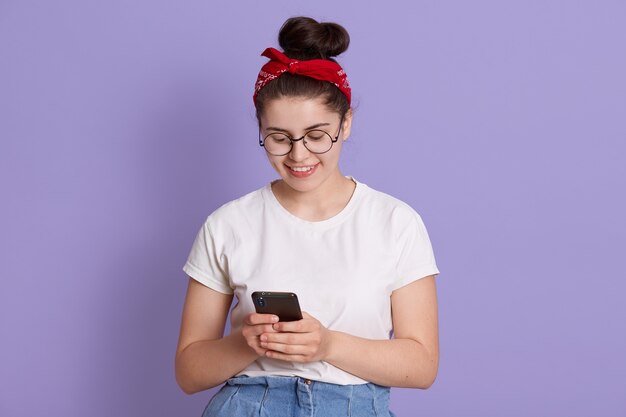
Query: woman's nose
[298,152]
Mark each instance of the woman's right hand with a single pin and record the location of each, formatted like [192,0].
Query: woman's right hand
[254,325]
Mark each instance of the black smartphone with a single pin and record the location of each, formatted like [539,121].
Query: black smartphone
[283,304]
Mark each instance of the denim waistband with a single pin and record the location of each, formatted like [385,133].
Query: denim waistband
[286,396]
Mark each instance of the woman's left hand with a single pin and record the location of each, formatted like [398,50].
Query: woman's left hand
[305,340]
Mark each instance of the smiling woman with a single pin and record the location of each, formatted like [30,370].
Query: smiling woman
[359,260]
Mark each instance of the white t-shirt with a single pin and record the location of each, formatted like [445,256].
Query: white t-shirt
[343,269]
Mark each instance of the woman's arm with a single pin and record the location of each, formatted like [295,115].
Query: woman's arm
[204,358]
[411,359]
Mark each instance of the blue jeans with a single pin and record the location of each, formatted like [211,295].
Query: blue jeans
[281,396]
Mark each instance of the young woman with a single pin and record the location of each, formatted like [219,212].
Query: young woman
[359,260]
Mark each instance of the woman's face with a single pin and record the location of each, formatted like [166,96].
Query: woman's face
[301,169]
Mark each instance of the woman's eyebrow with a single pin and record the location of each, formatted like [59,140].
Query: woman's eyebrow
[315,126]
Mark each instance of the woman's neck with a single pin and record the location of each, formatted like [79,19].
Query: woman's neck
[320,204]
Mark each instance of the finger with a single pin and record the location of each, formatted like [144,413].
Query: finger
[290,338]
[287,357]
[286,348]
[261,329]
[254,342]
[300,326]
[256,330]
[252,335]
[256,318]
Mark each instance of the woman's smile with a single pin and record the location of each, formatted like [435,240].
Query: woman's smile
[302,171]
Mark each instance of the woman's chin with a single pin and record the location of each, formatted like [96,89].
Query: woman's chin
[299,185]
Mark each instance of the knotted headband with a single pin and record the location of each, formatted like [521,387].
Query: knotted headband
[320,69]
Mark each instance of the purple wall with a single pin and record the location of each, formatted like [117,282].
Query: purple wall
[123,124]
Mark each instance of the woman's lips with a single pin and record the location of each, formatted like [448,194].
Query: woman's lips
[302,171]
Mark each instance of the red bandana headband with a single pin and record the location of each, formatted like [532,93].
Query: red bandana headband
[320,69]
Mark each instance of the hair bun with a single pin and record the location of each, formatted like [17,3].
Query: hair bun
[305,38]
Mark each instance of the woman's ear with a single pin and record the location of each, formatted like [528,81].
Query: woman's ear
[347,125]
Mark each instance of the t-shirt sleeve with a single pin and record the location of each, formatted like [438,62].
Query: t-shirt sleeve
[416,259]
[207,263]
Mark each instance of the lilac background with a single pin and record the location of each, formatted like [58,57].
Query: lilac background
[123,124]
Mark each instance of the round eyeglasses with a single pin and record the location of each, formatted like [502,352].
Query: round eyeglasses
[315,141]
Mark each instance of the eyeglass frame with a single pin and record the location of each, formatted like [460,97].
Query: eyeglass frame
[292,140]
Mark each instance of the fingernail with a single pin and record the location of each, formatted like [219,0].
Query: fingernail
[274,318]
[263,338]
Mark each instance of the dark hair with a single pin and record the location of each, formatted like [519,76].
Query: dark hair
[303,38]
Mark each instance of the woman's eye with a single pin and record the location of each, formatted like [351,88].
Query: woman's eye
[279,138]
[315,136]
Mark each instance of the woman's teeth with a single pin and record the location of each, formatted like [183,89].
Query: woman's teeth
[301,169]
